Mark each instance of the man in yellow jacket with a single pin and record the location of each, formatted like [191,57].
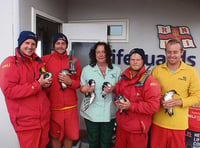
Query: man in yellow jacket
[168,130]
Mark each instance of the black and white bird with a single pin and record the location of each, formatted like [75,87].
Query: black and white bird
[47,75]
[89,97]
[105,85]
[66,72]
[120,98]
[168,96]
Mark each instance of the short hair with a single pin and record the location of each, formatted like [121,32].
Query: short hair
[108,51]
[174,41]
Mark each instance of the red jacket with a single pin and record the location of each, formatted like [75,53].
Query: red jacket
[61,98]
[145,100]
[27,103]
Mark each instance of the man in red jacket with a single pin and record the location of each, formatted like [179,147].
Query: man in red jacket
[23,87]
[64,125]
[141,94]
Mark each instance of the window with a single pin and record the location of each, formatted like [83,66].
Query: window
[114,30]
[117,30]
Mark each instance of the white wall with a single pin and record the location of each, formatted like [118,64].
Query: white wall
[8,30]
[57,9]
[143,15]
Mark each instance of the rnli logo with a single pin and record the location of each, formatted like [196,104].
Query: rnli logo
[183,78]
[6,65]
[182,33]
[153,84]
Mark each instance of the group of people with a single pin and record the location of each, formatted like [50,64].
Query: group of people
[134,98]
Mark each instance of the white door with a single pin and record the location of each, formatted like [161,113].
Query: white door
[82,36]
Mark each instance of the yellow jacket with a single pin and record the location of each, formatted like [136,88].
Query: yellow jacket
[185,80]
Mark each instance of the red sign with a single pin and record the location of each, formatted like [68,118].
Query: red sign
[194,118]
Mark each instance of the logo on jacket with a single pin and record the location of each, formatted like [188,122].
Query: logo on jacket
[183,78]
[6,65]
[153,84]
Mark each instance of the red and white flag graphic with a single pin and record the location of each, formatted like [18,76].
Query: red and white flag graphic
[182,33]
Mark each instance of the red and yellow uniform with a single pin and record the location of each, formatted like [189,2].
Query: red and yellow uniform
[27,103]
[144,100]
[187,84]
[64,118]
[185,81]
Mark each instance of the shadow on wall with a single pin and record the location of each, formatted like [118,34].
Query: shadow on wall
[8,137]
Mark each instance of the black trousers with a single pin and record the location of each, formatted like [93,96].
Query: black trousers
[99,133]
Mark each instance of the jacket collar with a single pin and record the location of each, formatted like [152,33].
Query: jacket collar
[61,56]
[96,69]
[126,73]
[34,57]
[182,65]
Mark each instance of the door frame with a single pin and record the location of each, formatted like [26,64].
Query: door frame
[35,12]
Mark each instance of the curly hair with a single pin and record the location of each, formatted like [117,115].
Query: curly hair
[92,54]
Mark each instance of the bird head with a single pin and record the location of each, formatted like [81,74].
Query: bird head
[91,82]
[173,91]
